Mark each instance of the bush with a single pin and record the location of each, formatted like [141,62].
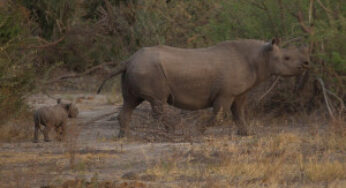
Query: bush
[38,36]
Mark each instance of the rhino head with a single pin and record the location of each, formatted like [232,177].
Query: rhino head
[286,61]
[72,110]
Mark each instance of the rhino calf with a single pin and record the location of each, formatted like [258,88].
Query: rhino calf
[53,116]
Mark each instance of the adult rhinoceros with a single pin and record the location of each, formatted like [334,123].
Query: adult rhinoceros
[192,79]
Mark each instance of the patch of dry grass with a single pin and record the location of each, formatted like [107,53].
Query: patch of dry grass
[285,159]
[18,129]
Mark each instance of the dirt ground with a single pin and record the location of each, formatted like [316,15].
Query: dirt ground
[290,152]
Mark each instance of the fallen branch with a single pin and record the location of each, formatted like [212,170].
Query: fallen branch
[98,118]
[77,75]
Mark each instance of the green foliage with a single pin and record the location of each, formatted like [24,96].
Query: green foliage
[16,71]
[53,17]
[96,31]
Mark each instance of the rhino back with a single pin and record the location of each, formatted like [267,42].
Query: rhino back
[53,115]
[193,77]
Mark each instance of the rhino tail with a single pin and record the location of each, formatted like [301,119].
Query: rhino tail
[119,69]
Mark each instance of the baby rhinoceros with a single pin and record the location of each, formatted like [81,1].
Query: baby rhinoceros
[54,116]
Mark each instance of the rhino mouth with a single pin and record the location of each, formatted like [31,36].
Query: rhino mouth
[305,65]
[304,68]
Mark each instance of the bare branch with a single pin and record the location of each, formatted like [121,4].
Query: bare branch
[311,8]
[324,7]
[48,44]
[260,6]
[300,19]
[342,106]
[326,99]
[77,75]
[271,87]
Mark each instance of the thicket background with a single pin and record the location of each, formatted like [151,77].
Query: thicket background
[41,36]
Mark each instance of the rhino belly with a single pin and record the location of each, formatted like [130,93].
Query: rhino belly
[190,98]
[188,104]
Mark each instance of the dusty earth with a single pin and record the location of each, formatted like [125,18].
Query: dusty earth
[93,156]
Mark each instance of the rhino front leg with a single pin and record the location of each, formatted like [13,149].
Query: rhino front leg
[46,133]
[238,115]
[61,131]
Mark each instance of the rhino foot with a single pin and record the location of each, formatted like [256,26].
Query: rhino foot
[243,132]
[35,141]
[202,129]
[47,140]
[121,134]
[170,129]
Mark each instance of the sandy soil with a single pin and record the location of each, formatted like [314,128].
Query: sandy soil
[92,151]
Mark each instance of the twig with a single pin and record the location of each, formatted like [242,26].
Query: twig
[342,106]
[290,40]
[271,87]
[326,98]
[324,7]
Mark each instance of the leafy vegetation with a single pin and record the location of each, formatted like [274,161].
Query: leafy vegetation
[37,37]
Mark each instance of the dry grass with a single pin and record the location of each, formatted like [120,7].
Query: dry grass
[290,151]
[293,158]
[277,160]
[18,129]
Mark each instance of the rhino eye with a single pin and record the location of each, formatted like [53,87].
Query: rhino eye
[287,58]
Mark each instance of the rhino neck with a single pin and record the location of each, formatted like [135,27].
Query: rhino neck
[262,67]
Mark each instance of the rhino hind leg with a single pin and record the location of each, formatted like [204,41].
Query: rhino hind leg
[63,131]
[238,115]
[37,128]
[125,115]
[220,106]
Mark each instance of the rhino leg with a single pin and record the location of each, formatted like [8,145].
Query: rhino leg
[220,106]
[46,133]
[60,130]
[37,127]
[63,131]
[238,115]
[125,115]
[160,113]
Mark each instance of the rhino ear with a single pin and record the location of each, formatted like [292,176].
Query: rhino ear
[268,47]
[67,106]
[275,41]
[304,49]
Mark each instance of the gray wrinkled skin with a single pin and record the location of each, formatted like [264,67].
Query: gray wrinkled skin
[192,79]
[53,117]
